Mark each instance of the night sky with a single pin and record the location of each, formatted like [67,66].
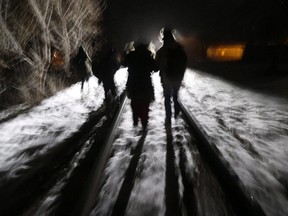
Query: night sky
[207,19]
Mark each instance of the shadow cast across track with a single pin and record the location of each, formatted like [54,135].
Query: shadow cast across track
[128,183]
[172,199]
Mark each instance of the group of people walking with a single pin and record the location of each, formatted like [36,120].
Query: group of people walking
[170,60]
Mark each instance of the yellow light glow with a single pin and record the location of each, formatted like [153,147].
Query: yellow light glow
[230,52]
[57,58]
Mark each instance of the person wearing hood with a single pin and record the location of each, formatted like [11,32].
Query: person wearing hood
[171,60]
[140,63]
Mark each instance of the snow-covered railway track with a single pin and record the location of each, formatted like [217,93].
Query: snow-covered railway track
[243,203]
[49,179]
[181,194]
[169,169]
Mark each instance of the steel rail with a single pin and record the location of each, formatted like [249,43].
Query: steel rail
[43,171]
[96,178]
[242,202]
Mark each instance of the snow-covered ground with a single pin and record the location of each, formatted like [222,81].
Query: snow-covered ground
[251,131]
[46,125]
[249,128]
[149,187]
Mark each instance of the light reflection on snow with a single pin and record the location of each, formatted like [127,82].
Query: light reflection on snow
[250,130]
[49,123]
[148,193]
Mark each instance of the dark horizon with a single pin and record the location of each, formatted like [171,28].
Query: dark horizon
[222,20]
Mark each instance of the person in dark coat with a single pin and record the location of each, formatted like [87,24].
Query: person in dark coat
[171,60]
[140,63]
[104,67]
[80,62]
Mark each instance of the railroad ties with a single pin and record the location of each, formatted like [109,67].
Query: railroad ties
[236,201]
[171,169]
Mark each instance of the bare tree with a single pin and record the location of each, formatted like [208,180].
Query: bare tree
[30,30]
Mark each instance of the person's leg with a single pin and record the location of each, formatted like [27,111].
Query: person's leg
[106,88]
[175,100]
[144,115]
[84,75]
[112,86]
[167,101]
[135,114]
[82,84]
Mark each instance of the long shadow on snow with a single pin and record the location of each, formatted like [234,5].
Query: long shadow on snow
[42,172]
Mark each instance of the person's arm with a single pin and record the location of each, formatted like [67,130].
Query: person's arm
[157,62]
[153,65]
[125,60]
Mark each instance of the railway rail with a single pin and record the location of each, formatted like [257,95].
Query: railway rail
[79,196]
[242,202]
[239,200]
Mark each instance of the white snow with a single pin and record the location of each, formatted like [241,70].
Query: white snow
[46,125]
[249,128]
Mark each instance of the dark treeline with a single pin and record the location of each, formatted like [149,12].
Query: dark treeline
[38,40]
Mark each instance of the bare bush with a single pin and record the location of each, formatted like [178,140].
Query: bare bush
[30,30]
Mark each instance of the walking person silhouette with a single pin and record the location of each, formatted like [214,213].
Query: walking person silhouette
[171,60]
[104,67]
[80,62]
[140,63]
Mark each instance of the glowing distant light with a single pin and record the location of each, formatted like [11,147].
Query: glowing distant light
[227,52]
[57,58]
